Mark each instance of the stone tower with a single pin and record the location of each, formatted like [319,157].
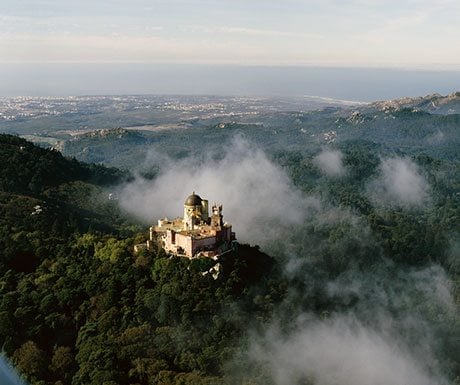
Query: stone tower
[217,219]
[195,211]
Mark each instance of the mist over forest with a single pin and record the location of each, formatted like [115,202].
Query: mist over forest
[346,269]
[356,310]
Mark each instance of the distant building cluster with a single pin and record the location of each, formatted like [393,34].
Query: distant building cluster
[330,137]
[196,234]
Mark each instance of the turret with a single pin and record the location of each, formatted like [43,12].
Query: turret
[193,211]
[204,210]
[217,219]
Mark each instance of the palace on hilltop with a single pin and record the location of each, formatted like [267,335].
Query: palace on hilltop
[196,234]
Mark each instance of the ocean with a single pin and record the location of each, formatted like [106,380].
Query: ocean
[357,84]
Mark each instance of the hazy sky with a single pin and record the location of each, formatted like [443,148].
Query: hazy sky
[407,33]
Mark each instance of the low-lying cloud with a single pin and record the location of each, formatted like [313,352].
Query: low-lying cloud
[386,338]
[400,183]
[342,351]
[330,162]
[257,195]
[362,341]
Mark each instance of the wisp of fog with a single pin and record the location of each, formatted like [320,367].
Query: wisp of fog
[400,183]
[381,336]
[330,162]
[258,198]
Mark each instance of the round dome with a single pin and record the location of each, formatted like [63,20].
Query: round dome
[193,200]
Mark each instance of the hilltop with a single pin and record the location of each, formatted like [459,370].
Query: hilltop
[77,306]
[434,104]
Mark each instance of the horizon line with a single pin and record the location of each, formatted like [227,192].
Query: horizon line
[429,67]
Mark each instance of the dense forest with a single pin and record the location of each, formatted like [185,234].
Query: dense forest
[78,306]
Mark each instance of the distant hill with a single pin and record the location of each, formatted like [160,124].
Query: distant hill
[434,104]
[123,131]
[114,147]
[429,124]
[27,168]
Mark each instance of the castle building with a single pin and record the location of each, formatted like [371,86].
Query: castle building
[196,234]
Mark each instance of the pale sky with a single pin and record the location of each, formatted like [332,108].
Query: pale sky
[375,33]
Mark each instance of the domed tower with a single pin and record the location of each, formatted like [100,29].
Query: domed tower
[195,211]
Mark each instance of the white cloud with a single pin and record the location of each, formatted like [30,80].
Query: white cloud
[400,183]
[257,196]
[330,162]
[339,351]
[385,338]
[123,48]
[378,32]
[250,32]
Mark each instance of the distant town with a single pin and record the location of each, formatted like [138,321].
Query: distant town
[30,107]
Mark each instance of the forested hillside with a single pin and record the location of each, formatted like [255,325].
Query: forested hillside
[358,265]
[76,306]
